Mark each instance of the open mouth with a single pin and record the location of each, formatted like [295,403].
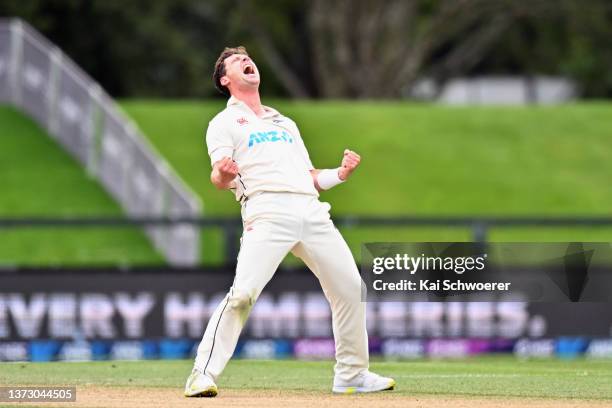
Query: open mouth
[248,70]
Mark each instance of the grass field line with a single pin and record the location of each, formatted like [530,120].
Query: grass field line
[496,377]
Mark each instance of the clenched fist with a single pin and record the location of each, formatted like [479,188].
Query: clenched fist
[350,161]
[224,172]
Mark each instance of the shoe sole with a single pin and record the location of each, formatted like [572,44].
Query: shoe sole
[207,393]
[355,390]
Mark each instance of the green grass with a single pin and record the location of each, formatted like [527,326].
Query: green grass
[40,179]
[417,160]
[424,160]
[485,376]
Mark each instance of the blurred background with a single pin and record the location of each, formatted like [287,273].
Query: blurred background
[476,120]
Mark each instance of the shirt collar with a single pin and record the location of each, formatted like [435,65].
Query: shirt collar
[233,101]
[270,112]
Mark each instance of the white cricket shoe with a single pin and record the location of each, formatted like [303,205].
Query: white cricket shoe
[200,385]
[364,382]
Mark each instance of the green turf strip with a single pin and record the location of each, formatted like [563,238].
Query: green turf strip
[484,376]
[38,178]
[423,160]
[417,160]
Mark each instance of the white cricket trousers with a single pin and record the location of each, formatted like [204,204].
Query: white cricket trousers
[274,225]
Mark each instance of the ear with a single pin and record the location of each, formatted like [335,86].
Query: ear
[224,80]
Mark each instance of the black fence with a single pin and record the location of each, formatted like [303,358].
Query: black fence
[232,226]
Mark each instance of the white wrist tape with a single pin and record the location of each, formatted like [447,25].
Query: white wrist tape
[328,178]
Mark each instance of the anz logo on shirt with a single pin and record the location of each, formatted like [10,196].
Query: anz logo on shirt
[272,136]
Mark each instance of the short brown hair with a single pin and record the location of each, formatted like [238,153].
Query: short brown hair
[220,66]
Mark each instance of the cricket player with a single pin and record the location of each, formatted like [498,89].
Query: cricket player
[259,154]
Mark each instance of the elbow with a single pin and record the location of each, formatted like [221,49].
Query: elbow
[315,173]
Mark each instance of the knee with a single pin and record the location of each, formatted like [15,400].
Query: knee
[240,300]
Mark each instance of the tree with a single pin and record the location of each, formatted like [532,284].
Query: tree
[378,48]
[138,47]
[326,48]
[375,48]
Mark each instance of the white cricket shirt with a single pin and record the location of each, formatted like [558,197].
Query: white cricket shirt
[268,150]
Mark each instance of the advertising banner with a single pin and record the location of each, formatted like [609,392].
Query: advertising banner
[169,303]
